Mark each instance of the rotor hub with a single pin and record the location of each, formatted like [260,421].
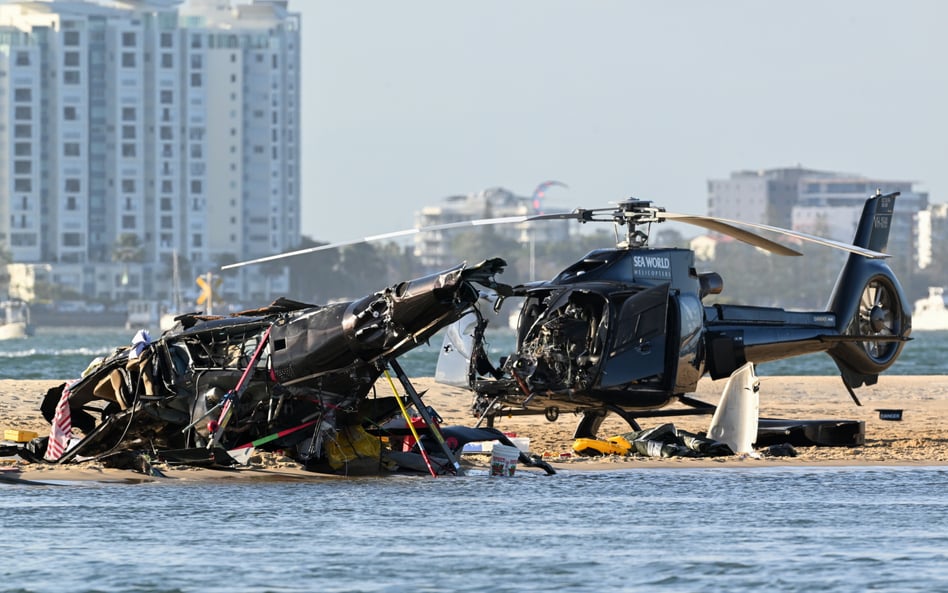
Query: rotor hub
[878,318]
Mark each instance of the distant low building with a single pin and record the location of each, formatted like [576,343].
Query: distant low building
[433,248]
[831,207]
[765,196]
[932,225]
[823,203]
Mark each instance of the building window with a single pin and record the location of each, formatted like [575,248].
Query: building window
[195,79]
[167,60]
[128,186]
[69,113]
[71,38]
[196,41]
[22,58]
[72,186]
[195,240]
[167,40]
[167,222]
[128,59]
[128,132]
[128,222]
[128,114]
[71,203]
[72,240]
[128,149]
[196,61]
[165,132]
[22,131]
[23,112]
[23,184]
[196,151]
[22,167]
[22,149]
[166,205]
[196,186]
[128,39]
[70,77]
[71,58]
[22,94]
[167,97]
[71,149]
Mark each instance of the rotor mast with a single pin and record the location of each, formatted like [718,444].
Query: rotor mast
[633,213]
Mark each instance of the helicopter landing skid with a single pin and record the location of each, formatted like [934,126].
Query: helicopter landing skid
[592,418]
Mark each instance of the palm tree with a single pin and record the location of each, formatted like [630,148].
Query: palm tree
[127,249]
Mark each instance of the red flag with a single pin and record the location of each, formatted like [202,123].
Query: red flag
[62,429]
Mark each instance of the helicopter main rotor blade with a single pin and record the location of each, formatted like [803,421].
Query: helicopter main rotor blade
[709,222]
[719,225]
[392,235]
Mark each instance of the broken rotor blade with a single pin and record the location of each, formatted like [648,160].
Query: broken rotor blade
[710,223]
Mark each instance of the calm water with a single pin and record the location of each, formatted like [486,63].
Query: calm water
[64,353]
[725,529]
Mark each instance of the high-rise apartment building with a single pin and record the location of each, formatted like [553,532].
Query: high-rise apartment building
[134,130]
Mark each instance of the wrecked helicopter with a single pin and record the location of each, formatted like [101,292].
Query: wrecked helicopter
[292,377]
[624,330]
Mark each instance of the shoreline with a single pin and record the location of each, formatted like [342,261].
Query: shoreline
[918,440]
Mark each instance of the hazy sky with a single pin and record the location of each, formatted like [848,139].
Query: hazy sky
[407,102]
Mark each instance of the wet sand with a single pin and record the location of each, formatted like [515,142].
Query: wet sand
[918,439]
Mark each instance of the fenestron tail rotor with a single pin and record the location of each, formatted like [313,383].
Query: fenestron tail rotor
[879,317]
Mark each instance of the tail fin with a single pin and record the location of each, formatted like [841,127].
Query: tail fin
[869,302]
[875,222]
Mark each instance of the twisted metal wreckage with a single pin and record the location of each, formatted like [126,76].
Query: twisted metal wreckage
[291,376]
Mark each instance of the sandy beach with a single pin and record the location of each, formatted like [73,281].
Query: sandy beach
[915,440]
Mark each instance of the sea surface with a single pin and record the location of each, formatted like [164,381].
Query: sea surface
[652,530]
[63,353]
[645,529]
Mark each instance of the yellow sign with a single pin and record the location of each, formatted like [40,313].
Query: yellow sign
[209,284]
[205,290]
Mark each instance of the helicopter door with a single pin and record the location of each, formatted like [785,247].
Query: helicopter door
[637,353]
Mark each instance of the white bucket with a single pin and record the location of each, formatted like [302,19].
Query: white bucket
[503,460]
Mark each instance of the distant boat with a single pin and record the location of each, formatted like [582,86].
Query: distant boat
[142,314]
[930,313]
[15,320]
